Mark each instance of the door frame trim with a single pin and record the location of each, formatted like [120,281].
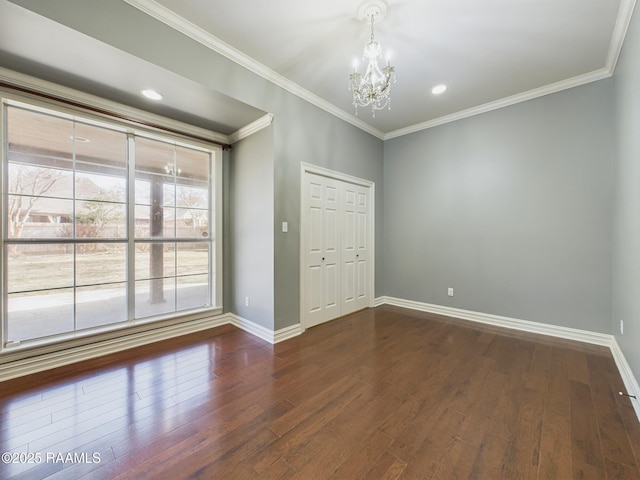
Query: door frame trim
[306,168]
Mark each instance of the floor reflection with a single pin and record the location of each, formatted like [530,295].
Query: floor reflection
[109,412]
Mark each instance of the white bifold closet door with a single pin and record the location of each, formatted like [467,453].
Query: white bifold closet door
[336,237]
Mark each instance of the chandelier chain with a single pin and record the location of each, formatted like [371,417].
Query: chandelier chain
[371,16]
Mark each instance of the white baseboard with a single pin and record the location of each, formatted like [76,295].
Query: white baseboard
[251,327]
[287,333]
[264,333]
[630,382]
[49,360]
[507,322]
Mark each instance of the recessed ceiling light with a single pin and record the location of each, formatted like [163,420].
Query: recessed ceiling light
[152,94]
[79,139]
[438,89]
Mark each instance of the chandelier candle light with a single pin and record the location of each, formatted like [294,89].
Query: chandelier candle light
[374,87]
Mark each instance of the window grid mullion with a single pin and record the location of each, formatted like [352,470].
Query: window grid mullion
[131,220]
[73,228]
[4,227]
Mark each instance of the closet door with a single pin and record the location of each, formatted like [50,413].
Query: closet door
[355,247]
[336,248]
[321,242]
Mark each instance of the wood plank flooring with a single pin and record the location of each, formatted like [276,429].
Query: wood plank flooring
[385,393]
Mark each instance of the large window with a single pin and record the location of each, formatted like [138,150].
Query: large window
[103,226]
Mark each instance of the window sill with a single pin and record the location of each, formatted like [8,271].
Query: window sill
[38,355]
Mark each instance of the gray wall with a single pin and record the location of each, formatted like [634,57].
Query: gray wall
[511,208]
[307,134]
[626,258]
[301,132]
[250,246]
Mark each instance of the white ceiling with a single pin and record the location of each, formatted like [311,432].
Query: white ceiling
[485,51]
[490,53]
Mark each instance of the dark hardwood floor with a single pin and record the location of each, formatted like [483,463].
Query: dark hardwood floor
[384,393]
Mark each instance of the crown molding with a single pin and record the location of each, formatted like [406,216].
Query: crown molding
[169,18]
[619,33]
[252,128]
[503,102]
[178,23]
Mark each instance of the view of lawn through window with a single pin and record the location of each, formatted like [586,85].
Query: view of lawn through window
[102,226]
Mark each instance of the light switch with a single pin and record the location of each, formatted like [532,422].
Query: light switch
[285,227]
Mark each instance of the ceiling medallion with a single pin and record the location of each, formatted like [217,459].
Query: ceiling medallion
[374,87]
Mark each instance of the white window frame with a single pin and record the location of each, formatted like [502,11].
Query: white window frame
[132,128]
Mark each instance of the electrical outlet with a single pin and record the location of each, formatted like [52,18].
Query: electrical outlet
[246,301]
[450,291]
[621,327]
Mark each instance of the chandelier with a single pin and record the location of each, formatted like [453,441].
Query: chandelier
[374,87]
